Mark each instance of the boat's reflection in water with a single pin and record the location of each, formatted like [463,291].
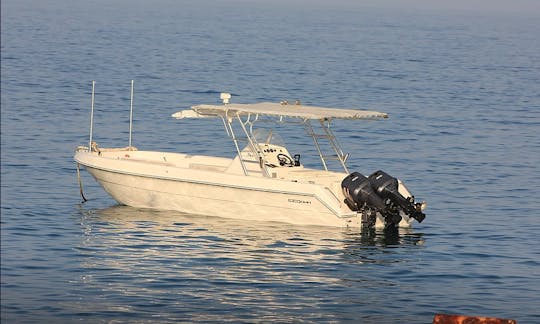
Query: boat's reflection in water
[204,268]
[122,225]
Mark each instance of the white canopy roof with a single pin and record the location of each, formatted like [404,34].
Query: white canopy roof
[277,110]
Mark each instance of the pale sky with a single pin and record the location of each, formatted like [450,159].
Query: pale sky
[477,5]
[511,6]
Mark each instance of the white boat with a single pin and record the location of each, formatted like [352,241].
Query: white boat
[264,181]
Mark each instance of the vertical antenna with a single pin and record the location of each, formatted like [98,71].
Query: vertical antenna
[91,118]
[131,114]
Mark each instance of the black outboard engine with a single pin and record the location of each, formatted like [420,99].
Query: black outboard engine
[387,187]
[360,196]
[379,193]
[359,192]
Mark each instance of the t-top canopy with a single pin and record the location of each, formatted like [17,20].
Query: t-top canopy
[277,110]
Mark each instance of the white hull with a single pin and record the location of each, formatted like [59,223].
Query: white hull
[139,181]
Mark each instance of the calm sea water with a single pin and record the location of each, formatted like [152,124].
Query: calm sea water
[463,94]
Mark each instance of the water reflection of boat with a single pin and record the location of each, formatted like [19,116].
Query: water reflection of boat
[264,181]
[171,226]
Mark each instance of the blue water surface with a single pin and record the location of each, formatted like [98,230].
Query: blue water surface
[462,90]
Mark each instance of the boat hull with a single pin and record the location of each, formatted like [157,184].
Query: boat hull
[208,193]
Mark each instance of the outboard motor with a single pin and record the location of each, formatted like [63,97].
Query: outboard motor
[386,187]
[359,192]
[379,193]
[360,196]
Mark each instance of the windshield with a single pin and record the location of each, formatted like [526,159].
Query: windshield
[268,136]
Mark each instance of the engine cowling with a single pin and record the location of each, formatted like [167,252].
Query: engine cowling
[387,187]
[359,192]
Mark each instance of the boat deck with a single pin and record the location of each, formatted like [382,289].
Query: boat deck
[220,164]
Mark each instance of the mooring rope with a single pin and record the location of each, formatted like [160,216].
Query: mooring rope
[80,184]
